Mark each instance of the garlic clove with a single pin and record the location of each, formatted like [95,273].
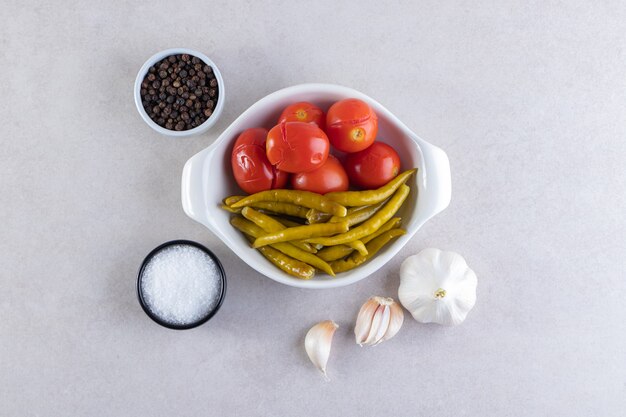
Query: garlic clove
[396,319]
[317,344]
[379,319]
[364,320]
[380,323]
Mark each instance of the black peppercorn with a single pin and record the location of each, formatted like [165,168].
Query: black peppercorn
[179,92]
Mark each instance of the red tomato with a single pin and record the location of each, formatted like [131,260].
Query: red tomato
[373,167]
[351,125]
[329,177]
[251,168]
[297,146]
[303,111]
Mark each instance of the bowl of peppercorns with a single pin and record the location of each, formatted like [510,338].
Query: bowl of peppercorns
[179,92]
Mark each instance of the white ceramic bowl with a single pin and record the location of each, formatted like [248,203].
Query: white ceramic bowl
[207,179]
[208,123]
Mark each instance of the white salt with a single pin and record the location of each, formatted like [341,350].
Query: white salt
[181,284]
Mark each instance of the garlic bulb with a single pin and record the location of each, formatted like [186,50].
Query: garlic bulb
[437,287]
[317,343]
[379,319]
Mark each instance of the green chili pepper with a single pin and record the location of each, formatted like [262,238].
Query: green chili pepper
[281,208]
[314,216]
[291,266]
[302,232]
[332,253]
[233,199]
[286,222]
[269,225]
[302,198]
[303,256]
[373,247]
[358,246]
[255,231]
[366,198]
[391,224]
[359,215]
[230,209]
[369,226]
[264,221]
[246,226]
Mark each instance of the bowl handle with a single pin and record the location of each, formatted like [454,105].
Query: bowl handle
[438,177]
[192,188]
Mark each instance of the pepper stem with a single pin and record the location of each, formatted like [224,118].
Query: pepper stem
[440,293]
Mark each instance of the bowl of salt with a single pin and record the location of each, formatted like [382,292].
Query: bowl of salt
[181,284]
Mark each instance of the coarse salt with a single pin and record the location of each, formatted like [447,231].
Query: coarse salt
[181,284]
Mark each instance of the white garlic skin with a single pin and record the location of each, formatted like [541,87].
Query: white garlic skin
[379,319]
[317,344]
[437,287]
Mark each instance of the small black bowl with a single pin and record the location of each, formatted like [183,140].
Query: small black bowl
[156,318]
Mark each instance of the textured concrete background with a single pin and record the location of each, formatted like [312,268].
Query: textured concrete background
[529,101]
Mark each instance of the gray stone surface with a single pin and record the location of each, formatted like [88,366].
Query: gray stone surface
[527,98]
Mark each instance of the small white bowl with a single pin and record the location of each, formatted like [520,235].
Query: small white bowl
[207,179]
[208,123]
